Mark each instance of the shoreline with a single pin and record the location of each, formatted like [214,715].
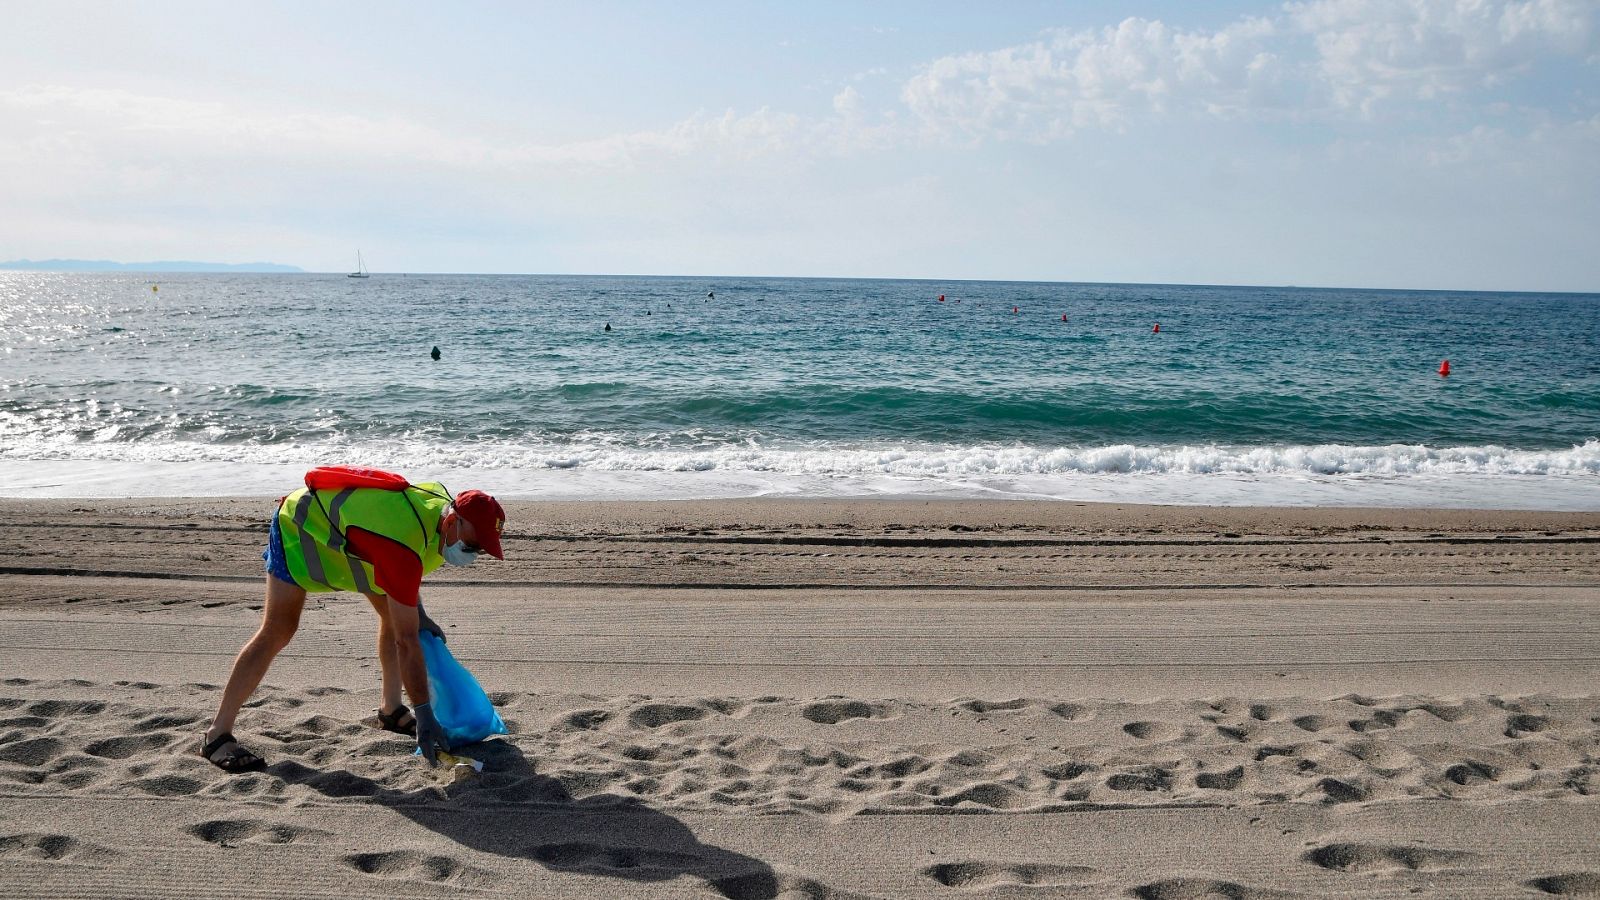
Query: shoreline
[93,479]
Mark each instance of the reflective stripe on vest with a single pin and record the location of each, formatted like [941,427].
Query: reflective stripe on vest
[313,561]
[316,549]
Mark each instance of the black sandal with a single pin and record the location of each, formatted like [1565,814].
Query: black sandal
[391,721]
[238,761]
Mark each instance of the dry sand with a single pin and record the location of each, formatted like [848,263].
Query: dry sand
[829,699]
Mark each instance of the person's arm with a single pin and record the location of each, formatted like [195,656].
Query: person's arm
[414,675]
[398,572]
[413,671]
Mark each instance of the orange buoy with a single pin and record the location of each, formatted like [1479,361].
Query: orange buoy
[1444,369]
[1156,328]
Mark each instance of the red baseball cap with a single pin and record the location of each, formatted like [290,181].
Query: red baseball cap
[483,512]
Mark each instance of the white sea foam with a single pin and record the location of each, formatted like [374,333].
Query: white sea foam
[616,454]
[604,466]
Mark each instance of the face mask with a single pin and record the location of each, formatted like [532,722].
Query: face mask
[457,554]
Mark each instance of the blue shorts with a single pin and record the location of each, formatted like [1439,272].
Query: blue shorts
[277,563]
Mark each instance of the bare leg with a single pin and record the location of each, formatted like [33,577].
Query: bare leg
[280,618]
[388,654]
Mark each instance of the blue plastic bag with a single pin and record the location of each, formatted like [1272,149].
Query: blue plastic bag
[460,705]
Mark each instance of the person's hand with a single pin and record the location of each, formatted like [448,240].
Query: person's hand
[430,626]
[430,735]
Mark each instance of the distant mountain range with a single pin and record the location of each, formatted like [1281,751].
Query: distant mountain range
[106,265]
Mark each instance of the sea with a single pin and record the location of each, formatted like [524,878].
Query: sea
[716,387]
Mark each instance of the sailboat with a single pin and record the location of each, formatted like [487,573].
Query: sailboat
[361,268]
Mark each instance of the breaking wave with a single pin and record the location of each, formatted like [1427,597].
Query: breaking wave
[698,453]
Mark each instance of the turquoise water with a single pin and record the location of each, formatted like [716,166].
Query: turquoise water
[799,377]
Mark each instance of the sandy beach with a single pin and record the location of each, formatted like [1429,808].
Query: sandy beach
[828,699]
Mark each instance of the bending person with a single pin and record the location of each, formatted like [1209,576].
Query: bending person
[377,542]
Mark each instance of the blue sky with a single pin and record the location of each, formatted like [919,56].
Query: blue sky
[1387,143]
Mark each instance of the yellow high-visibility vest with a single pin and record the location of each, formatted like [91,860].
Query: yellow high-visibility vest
[313,523]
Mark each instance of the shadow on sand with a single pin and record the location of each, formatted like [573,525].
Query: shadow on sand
[514,812]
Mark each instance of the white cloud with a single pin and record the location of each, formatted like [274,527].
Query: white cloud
[115,167]
[847,102]
[1374,50]
[1081,79]
[1352,53]
[41,121]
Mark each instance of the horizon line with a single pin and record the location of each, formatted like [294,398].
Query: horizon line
[5,267]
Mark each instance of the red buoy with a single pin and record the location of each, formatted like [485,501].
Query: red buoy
[1063,317]
[941,298]
[1444,369]
[1013,310]
[1156,329]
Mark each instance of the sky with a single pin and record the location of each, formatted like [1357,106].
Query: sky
[1447,144]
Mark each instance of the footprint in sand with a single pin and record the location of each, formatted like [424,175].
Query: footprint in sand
[33,753]
[985,793]
[1472,772]
[276,702]
[1337,791]
[1381,719]
[832,712]
[900,767]
[980,876]
[1446,713]
[229,832]
[1523,724]
[168,720]
[1153,731]
[1068,771]
[985,706]
[1573,884]
[53,848]
[655,715]
[1345,857]
[1220,781]
[1073,712]
[1240,733]
[55,709]
[1262,712]
[406,865]
[584,719]
[1147,780]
